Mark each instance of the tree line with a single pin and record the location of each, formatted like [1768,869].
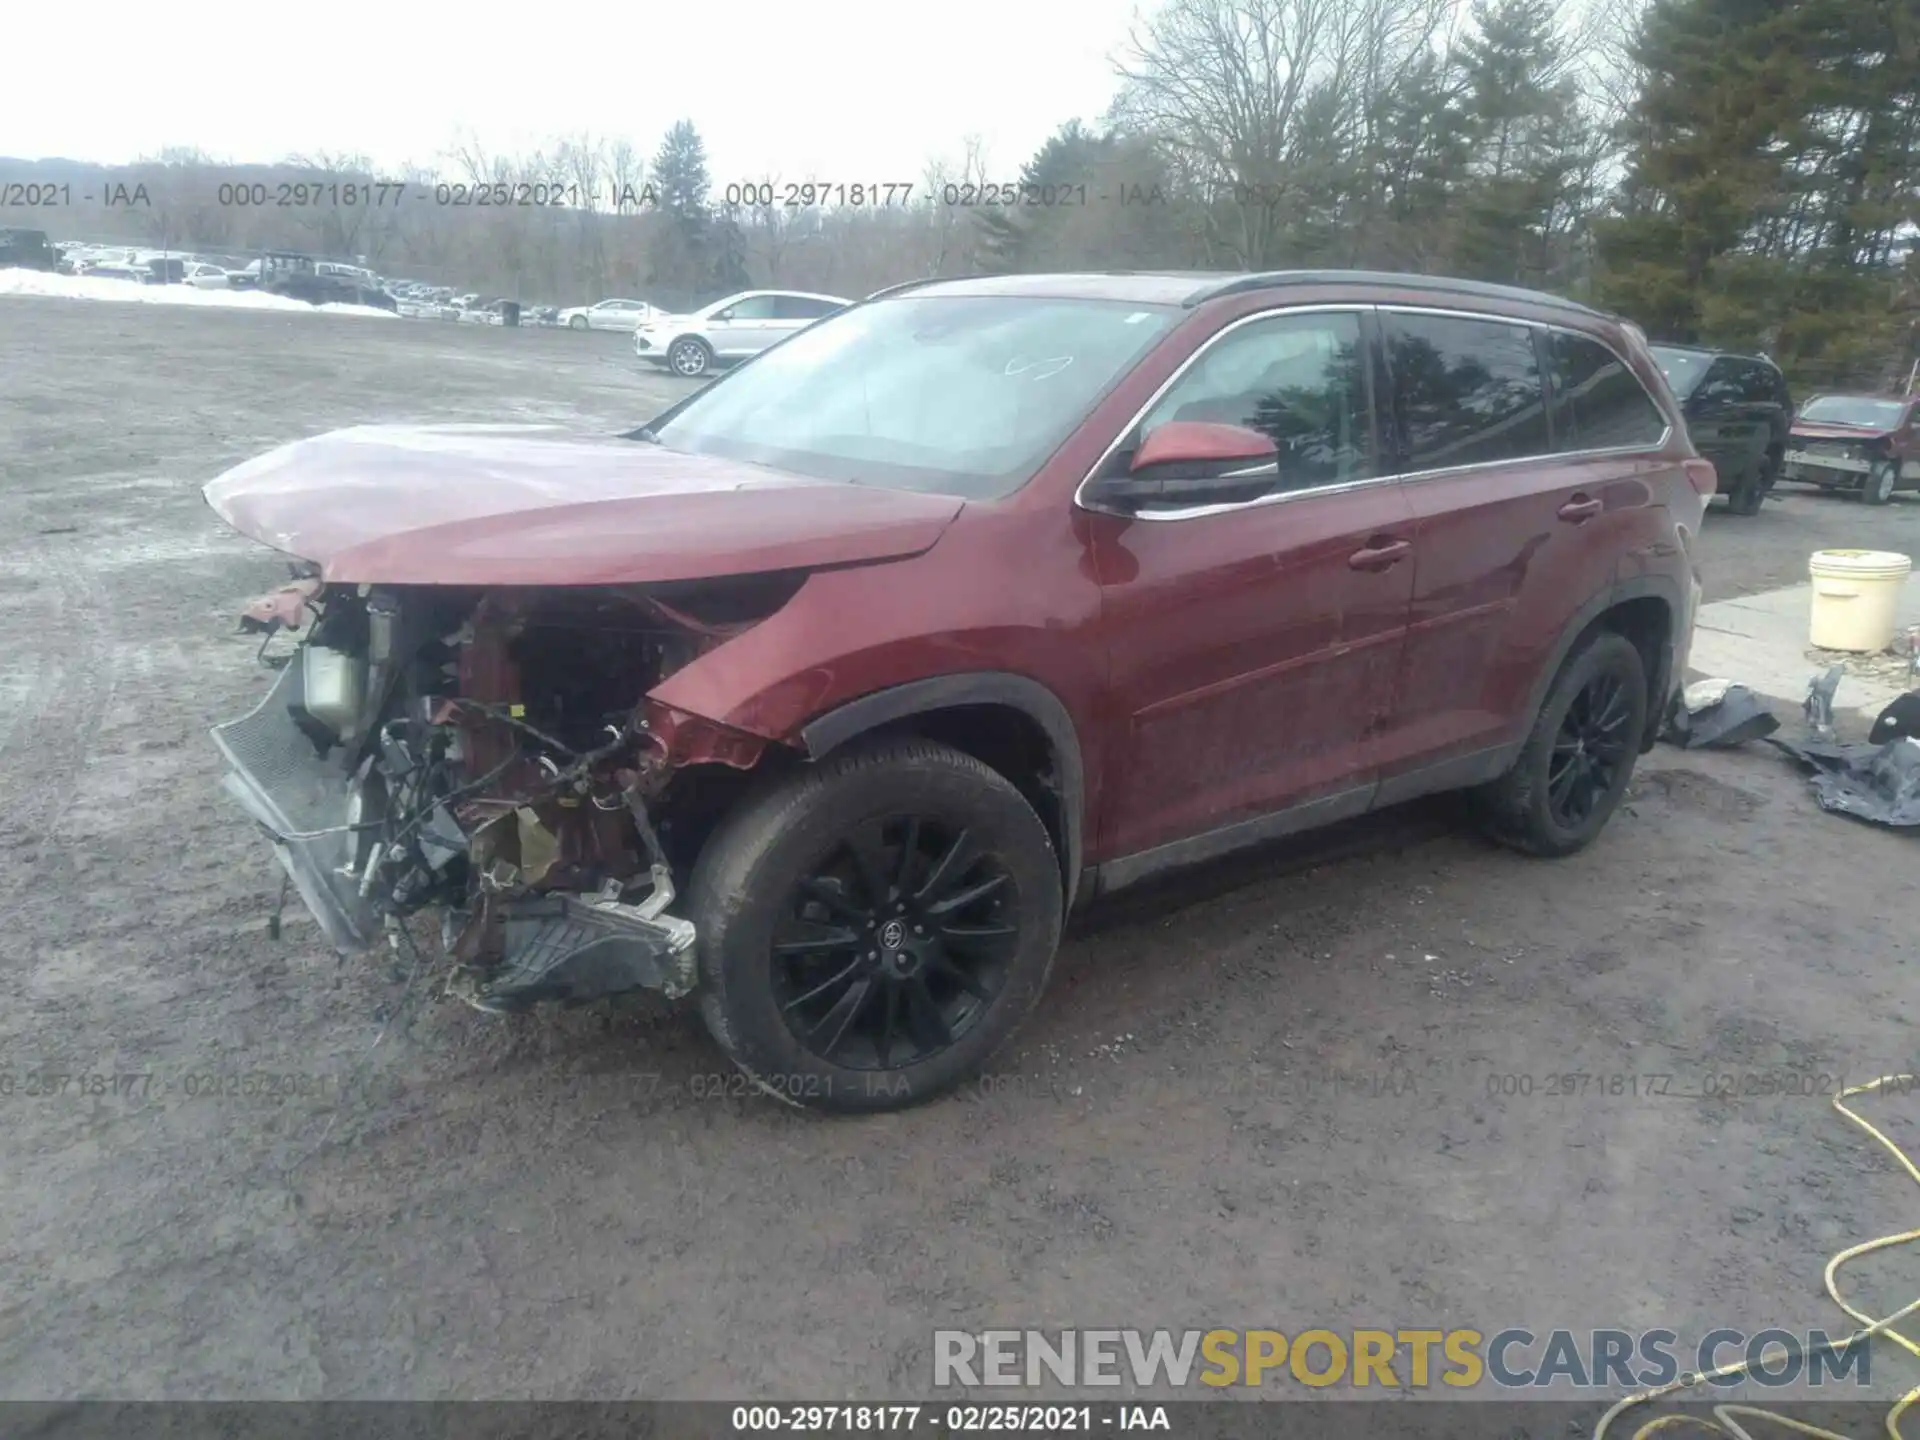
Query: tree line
[1743,173]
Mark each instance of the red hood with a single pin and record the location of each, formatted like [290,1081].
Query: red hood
[530,505]
[1815,430]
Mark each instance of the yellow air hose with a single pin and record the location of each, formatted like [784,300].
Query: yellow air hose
[1727,1418]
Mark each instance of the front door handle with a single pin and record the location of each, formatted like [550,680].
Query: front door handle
[1381,553]
[1580,508]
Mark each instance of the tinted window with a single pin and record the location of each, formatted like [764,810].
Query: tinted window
[1601,404]
[754,307]
[1683,368]
[1759,384]
[1468,391]
[1296,379]
[1723,385]
[799,307]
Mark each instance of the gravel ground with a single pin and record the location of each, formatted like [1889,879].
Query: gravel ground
[1265,1097]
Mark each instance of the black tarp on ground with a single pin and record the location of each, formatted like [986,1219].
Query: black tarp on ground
[1877,783]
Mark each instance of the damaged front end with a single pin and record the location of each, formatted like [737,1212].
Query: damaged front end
[492,754]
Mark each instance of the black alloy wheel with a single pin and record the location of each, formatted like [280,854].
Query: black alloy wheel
[1574,765]
[1593,746]
[894,945]
[874,925]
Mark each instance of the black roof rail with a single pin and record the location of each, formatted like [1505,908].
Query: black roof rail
[1439,284]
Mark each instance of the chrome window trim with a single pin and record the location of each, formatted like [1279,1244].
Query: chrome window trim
[1195,512]
[1597,452]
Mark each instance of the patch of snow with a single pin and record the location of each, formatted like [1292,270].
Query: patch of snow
[92,287]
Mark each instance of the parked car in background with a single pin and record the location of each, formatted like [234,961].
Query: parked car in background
[317,281]
[988,597]
[118,270]
[162,269]
[730,330]
[27,250]
[203,276]
[1737,409]
[1868,445]
[607,315]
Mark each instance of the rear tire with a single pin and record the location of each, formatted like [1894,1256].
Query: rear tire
[1878,487]
[874,928]
[1578,758]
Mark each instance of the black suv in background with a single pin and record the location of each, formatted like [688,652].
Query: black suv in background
[28,249]
[1738,412]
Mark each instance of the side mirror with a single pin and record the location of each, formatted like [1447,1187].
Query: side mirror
[724,315]
[1196,462]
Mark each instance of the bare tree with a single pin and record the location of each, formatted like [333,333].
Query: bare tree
[1247,95]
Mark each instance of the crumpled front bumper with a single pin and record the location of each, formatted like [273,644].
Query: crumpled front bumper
[308,807]
[328,830]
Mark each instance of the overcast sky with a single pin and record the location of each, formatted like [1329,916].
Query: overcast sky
[843,89]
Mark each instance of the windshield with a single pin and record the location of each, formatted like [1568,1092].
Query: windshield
[1855,410]
[961,395]
[1683,368]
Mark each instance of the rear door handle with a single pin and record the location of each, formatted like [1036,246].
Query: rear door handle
[1380,554]
[1579,508]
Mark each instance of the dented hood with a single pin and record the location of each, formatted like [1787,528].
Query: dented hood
[533,505]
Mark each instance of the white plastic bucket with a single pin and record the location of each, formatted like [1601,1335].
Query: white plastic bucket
[1856,598]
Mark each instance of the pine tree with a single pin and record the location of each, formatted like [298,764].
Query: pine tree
[684,262]
[1525,138]
[1774,179]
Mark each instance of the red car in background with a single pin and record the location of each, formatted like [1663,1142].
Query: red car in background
[823,697]
[1866,444]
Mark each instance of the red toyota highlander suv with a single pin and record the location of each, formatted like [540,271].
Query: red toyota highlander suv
[825,696]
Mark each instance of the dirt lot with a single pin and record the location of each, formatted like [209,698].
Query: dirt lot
[1265,1097]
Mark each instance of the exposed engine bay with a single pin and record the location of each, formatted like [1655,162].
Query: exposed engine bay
[493,755]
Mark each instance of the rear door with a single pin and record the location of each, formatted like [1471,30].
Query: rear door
[1520,510]
[1253,647]
[1721,422]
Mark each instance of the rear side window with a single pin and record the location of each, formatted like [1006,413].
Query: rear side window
[1601,403]
[1467,392]
[1724,384]
[1762,383]
[799,307]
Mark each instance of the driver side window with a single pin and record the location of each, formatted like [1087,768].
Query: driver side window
[1297,379]
[754,307]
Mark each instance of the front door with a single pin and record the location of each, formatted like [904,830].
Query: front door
[1253,647]
[749,328]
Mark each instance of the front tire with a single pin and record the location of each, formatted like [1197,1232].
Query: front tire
[1878,489]
[689,357]
[1579,756]
[578,322]
[874,928]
